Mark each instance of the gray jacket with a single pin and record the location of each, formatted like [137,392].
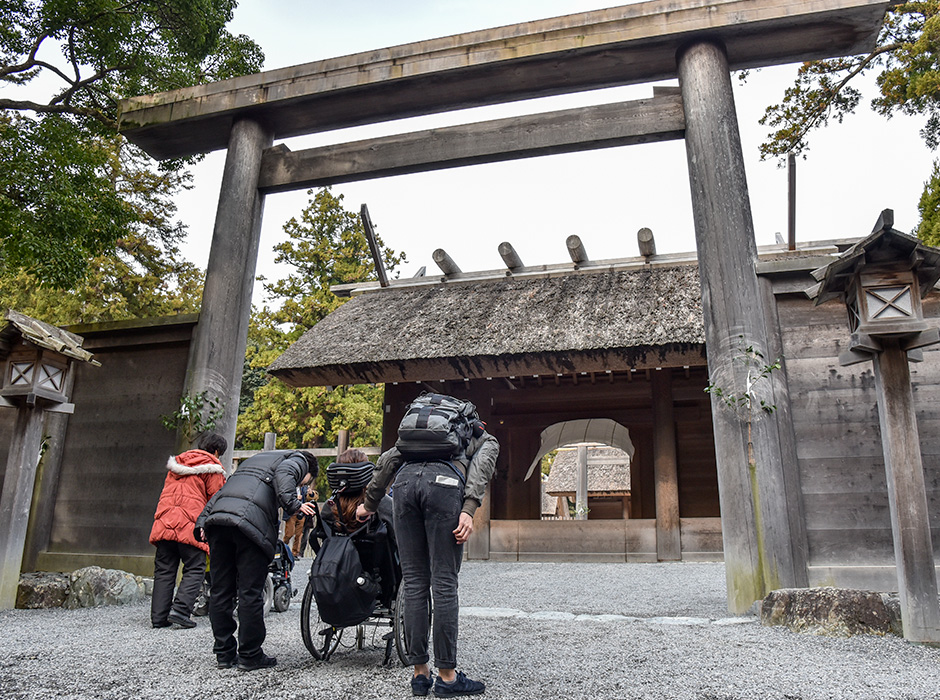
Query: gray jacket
[482,451]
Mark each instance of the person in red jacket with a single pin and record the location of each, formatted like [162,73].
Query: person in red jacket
[193,478]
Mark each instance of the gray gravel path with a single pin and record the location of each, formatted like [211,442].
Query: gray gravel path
[528,630]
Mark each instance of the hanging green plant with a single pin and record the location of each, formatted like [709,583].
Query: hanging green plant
[197,414]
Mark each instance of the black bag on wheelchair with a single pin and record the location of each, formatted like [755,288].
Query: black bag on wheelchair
[345,592]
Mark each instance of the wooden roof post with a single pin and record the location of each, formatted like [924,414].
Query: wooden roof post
[445,262]
[646,242]
[217,356]
[576,249]
[373,245]
[509,255]
[757,544]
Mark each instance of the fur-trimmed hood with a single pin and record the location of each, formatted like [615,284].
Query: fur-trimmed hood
[192,479]
[194,462]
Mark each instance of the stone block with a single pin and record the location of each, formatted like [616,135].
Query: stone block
[840,612]
[94,586]
[42,590]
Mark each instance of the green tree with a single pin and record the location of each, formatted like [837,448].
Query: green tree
[906,65]
[59,204]
[144,274]
[908,80]
[325,246]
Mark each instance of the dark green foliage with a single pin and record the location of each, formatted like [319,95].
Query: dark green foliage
[59,203]
[326,246]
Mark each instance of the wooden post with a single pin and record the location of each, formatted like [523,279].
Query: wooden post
[509,255]
[342,441]
[757,543]
[373,245]
[576,249]
[16,498]
[646,242]
[270,441]
[581,485]
[907,497]
[46,489]
[668,537]
[218,351]
[445,262]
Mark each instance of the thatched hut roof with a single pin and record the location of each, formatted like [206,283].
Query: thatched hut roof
[608,472]
[583,321]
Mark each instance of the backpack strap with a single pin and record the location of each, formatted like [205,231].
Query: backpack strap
[463,479]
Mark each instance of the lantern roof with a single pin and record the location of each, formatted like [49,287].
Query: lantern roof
[885,246]
[42,334]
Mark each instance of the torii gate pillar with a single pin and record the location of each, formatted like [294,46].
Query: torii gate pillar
[218,352]
[756,525]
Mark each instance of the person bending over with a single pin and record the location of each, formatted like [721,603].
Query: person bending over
[241,525]
[192,479]
[433,516]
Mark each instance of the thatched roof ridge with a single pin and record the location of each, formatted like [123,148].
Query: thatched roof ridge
[577,313]
[610,475]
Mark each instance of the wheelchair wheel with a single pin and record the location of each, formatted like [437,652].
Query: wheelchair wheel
[201,605]
[401,644]
[282,597]
[320,638]
[268,594]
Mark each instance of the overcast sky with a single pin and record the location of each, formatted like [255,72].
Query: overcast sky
[852,172]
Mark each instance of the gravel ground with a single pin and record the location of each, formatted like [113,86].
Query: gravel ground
[528,630]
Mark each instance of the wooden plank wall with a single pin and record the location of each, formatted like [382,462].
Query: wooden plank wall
[841,463]
[114,461]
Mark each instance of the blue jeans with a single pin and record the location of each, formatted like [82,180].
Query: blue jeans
[427,499]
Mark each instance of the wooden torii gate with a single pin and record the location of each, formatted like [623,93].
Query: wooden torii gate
[698,41]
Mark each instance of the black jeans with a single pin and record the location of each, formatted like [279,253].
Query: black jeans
[166,563]
[428,498]
[238,569]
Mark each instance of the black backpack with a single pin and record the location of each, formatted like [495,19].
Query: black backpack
[346,594]
[437,426]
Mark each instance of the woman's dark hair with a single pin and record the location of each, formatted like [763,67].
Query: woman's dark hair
[351,456]
[212,443]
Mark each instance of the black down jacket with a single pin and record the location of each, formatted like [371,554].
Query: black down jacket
[251,496]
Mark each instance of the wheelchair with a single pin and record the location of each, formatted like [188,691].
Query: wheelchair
[385,626]
[278,588]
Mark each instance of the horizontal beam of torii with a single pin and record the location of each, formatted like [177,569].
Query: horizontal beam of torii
[565,131]
[603,48]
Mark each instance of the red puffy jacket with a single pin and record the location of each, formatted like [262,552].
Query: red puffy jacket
[192,480]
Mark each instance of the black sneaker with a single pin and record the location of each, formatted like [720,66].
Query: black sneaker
[177,619]
[461,685]
[225,662]
[160,624]
[260,661]
[421,684]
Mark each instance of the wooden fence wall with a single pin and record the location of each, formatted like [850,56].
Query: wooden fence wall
[838,439]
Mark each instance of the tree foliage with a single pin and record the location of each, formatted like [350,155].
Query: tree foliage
[326,246]
[64,66]
[143,275]
[907,62]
